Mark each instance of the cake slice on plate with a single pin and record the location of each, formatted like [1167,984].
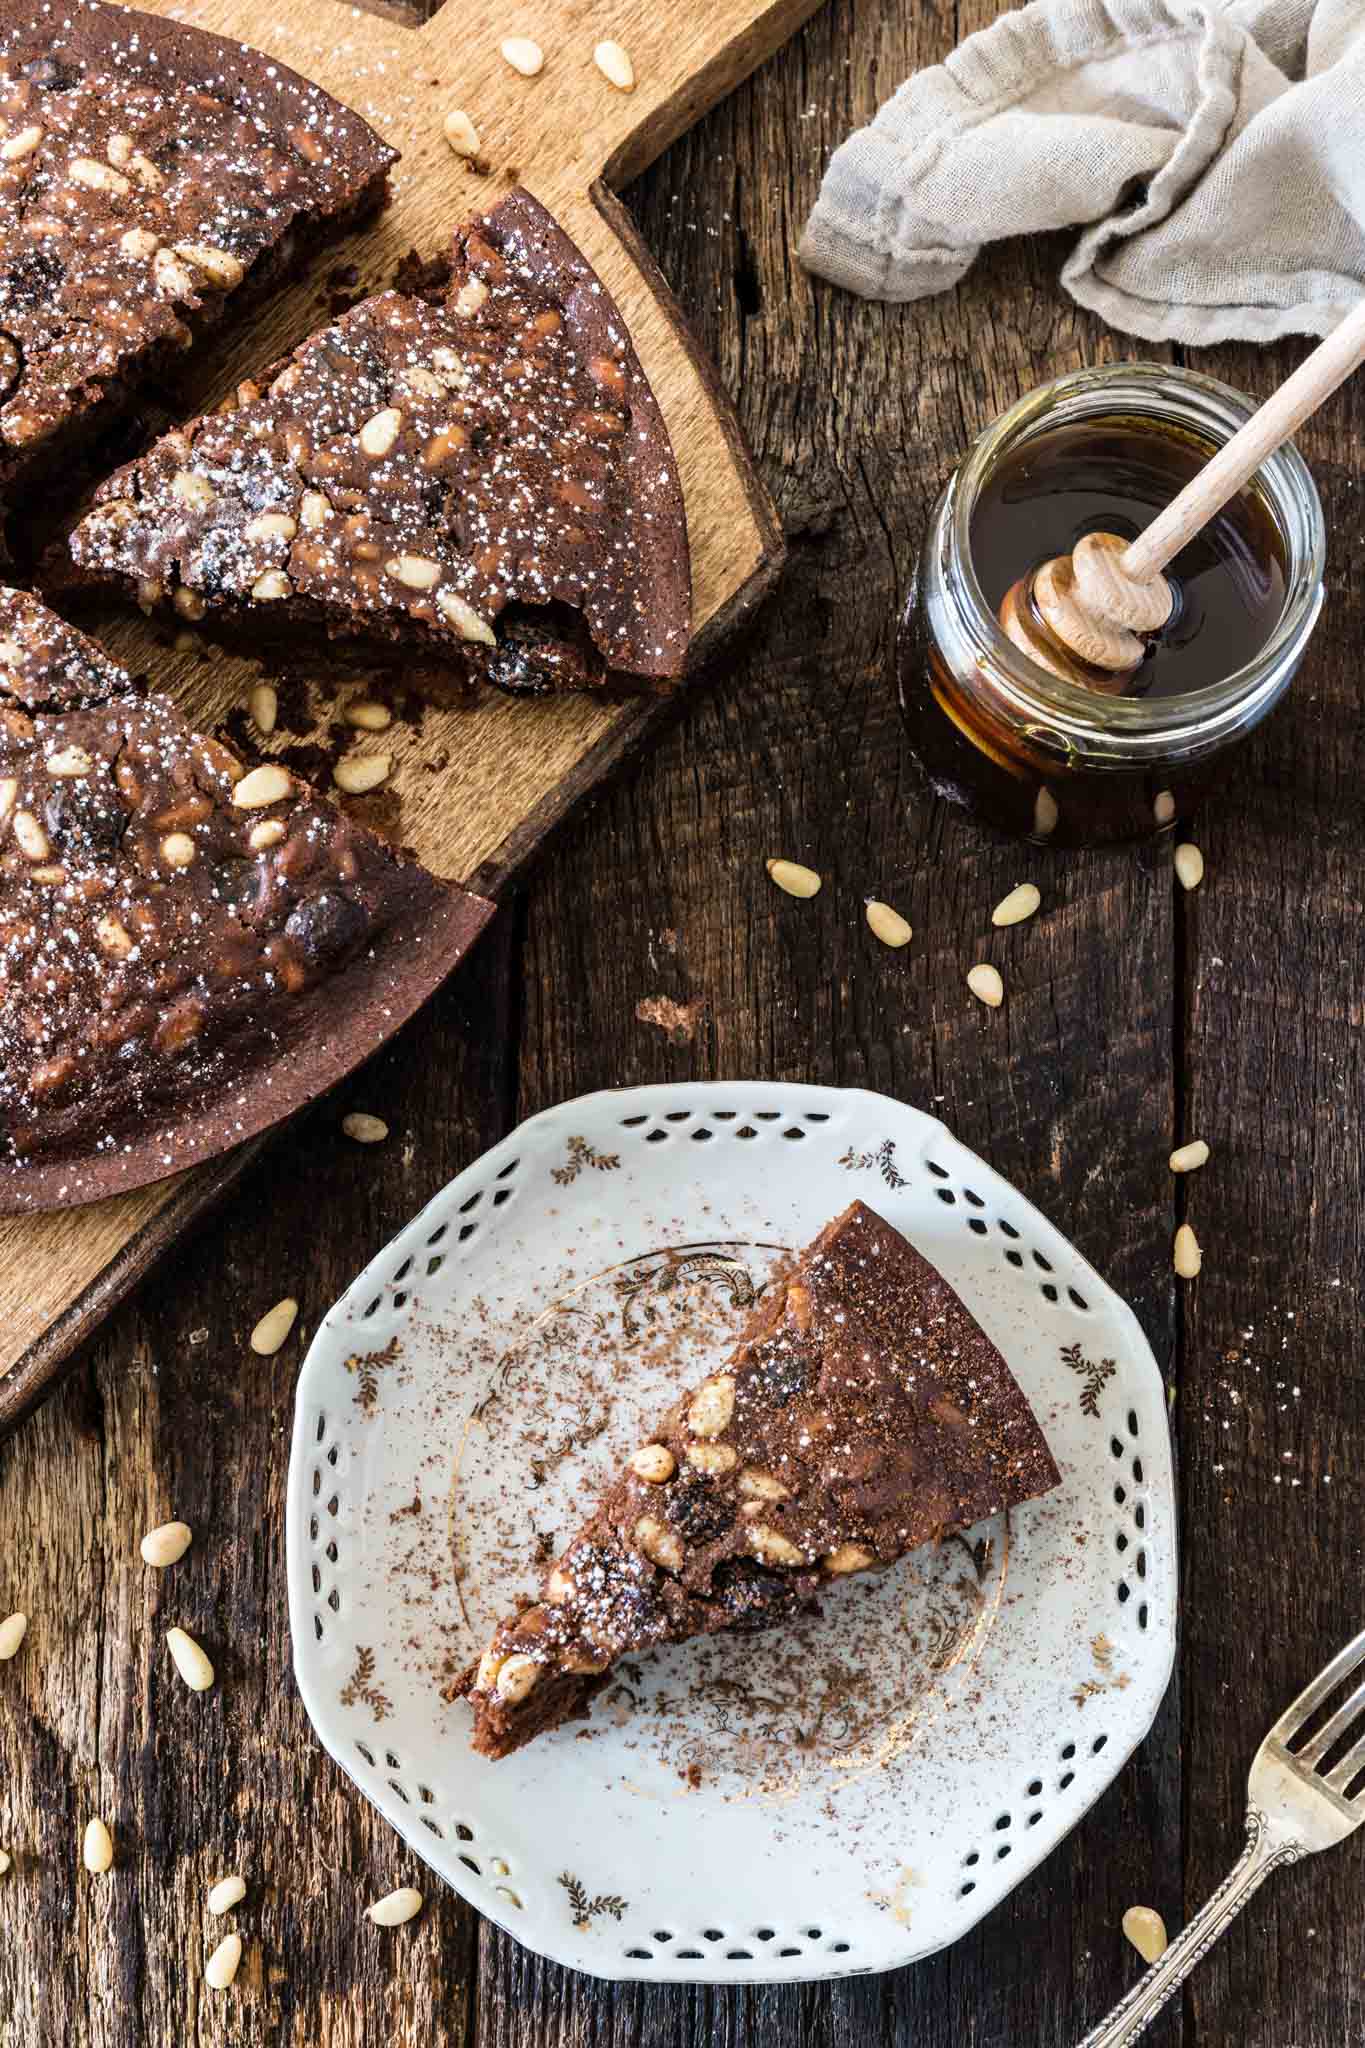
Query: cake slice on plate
[189,949]
[481,481]
[149,171]
[863,1413]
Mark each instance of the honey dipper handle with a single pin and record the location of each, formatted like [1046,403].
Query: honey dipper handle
[1330,364]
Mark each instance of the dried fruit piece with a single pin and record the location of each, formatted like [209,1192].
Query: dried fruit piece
[791,876]
[97,1848]
[1188,1255]
[1189,865]
[615,66]
[221,1967]
[1019,904]
[366,1130]
[190,1660]
[1187,1158]
[227,1893]
[395,1907]
[12,1632]
[887,924]
[523,55]
[1146,1929]
[985,984]
[461,133]
[274,1326]
[166,1544]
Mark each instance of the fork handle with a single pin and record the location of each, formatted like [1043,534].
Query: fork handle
[1265,1850]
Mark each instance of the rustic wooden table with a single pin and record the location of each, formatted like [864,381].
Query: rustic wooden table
[1135,1015]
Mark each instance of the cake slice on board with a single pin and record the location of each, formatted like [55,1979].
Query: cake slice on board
[189,949]
[479,480]
[863,1413]
[149,171]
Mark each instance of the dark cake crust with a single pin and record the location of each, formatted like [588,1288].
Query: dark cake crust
[149,171]
[486,478]
[863,1413]
[189,950]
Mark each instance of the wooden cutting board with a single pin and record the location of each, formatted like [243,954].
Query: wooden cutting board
[506,772]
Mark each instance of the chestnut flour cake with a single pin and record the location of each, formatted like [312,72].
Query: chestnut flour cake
[864,1412]
[483,480]
[188,949]
[147,171]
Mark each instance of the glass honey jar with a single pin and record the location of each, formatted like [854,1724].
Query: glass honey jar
[1103,450]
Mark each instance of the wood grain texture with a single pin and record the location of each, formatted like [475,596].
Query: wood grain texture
[474,790]
[1134,1016]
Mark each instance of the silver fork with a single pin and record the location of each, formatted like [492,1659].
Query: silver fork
[1293,1810]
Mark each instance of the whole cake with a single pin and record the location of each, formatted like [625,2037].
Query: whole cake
[863,1413]
[189,949]
[148,171]
[482,477]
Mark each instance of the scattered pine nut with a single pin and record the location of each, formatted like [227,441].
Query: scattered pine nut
[1146,1929]
[227,1893]
[461,133]
[1189,1256]
[1163,807]
[1189,866]
[264,704]
[791,876]
[366,1130]
[12,1633]
[190,1660]
[97,1848]
[367,716]
[615,66]
[274,1326]
[166,1544]
[1045,812]
[5,1861]
[1019,904]
[523,55]
[221,1967]
[359,773]
[1186,1158]
[395,1907]
[985,984]
[887,924]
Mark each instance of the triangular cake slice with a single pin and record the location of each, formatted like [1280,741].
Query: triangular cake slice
[189,949]
[149,174]
[483,480]
[863,1413]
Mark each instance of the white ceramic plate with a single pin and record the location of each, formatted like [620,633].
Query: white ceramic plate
[756,1808]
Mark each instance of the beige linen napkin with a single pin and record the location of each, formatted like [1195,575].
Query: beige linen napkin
[1216,152]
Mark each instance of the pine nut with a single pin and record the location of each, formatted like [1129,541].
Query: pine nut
[21,145]
[516,1678]
[166,1544]
[615,66]
[793,878]
[712,1406]
[315,509]
[97,177]
[1163,807]
[227,1893]
[985,984]
[189,488]
[1146,1929]
[359,773]
[1019,904]
[68,762]
[219,266]
[523,55]
[119,149]
[887,924]
[190,1660]
[849,1557]
[654,1463]
[178,850]
[171,276]
[395,1907]
[5,1861]
[265,707]
[470,298]
[12,1633]
[268,833]
[261,786]
[367,716]
[656,1541]
[273,584]
[461,133]
[1189,1256]
[274,1326]
[271,526]
[221,1967]
[463,617]
[31,838]
[366,1130]
[378,435]
[97,1848]
[113,938]
[1189,866]
[1187,1158]
[772,1547]
[140,243]
[415,571]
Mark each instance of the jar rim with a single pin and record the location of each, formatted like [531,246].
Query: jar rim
[1289,488]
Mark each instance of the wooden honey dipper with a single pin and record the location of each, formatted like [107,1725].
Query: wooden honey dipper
[1083,615]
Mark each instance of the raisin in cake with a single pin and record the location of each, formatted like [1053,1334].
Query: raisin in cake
[483,478]
[147,171]
[189,949]
[864,1412]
